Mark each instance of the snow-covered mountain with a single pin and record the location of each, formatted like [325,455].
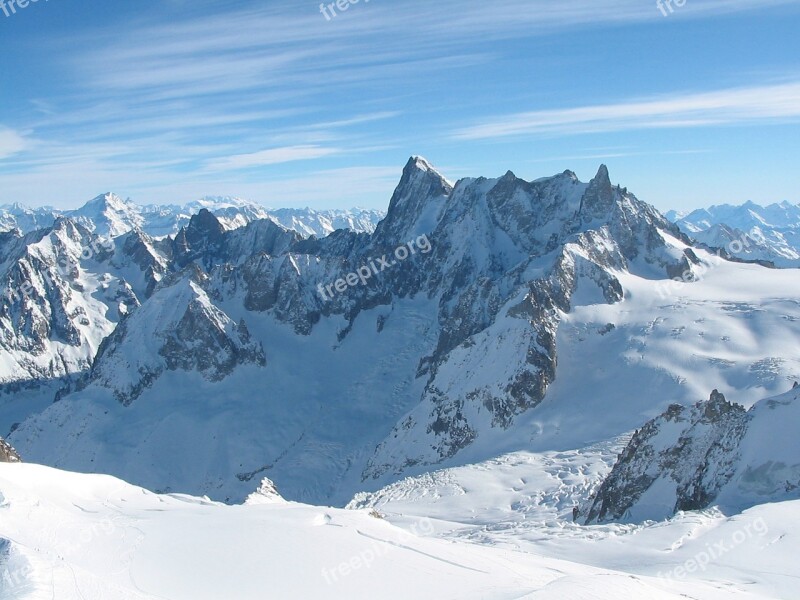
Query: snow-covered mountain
[17,216]
[309,222]
[715,452]
[530,315]
[56,304]
[749,231]
[108,215]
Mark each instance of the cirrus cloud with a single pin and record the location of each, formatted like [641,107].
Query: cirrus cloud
[271,156]
[720,107]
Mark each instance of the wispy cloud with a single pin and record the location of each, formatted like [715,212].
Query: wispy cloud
[610,155]
[11,142]
[739,105]
[271,156]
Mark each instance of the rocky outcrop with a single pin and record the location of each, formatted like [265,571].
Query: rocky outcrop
[267,493]
[689,458]
[7,453]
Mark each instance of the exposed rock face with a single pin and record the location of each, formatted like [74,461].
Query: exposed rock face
[137,251]
[201,238]
[690,458]
[50,315]
[7,453]
[207,243]
[191,335]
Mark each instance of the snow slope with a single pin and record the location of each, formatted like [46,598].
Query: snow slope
[524,500]
[94,537]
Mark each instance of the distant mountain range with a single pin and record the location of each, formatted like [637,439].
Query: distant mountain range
[749,231]
[109,215]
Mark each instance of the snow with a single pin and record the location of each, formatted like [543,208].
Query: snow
[92,536]
[523,501]
[95,537]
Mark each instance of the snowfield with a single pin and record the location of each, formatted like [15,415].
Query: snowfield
[65,536]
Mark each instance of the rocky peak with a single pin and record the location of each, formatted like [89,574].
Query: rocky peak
[717,406]
[73,229]
[179,329]
[599,196]
[691,451]
[267,493]
[204,225]
[421,189]
[202,236]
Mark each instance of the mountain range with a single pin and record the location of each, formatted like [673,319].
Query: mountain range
[770,234]
[108,215]
[542,316]
[511,388]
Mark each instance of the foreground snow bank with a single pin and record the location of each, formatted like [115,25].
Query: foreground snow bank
[90,536]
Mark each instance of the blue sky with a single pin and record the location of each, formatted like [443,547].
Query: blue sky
[271,101]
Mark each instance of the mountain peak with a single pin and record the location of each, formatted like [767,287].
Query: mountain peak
[599,196]
[419,185]
[205,222]
[420,163]
[602,177]
[108,199]
[419,166]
